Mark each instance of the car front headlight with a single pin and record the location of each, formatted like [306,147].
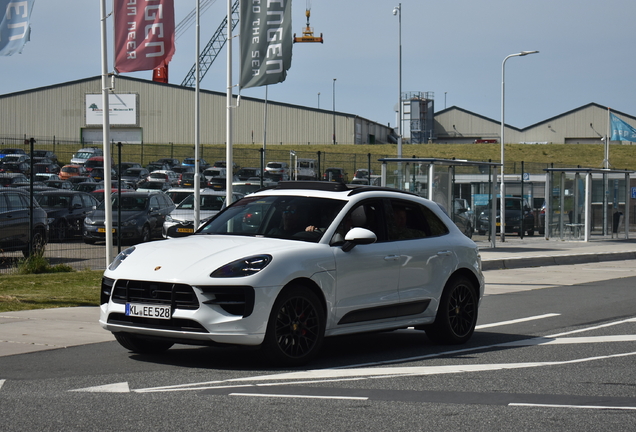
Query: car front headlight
[121,257]
[243,267]
[129,222]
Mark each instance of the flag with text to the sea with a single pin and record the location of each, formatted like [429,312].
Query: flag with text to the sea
[15,25]
[266,42]
[621,131]
[144,34]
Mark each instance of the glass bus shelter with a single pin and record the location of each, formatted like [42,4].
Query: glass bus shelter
[449,182]
[582,202]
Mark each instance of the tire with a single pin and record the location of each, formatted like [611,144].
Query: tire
[295,329]
[140,345]
[37,245]
[145,234]
[60,230]
[530,233]
[457,313]
[469,231]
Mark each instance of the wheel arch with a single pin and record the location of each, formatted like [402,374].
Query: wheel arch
[470,275]
[311,286]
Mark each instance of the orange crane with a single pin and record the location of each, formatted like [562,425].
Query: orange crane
[308,32]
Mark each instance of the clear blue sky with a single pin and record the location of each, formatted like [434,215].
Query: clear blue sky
[453,48]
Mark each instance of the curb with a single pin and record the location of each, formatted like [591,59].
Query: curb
[545,260]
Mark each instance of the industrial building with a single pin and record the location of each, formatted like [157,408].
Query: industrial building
[153,112]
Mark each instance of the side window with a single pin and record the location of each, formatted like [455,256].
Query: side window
[4,207]
[76,200]
[368,214]
[154,203]
[410,220]
[14,201]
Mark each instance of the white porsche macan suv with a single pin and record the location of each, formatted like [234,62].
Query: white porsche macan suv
[283,268]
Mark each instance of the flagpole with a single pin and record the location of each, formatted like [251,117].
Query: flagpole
[228,126]
[197,126]
[108,207]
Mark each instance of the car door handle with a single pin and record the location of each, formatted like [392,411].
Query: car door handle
[391,257]
[444,253]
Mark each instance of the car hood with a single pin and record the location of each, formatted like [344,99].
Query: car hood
[188,215]
[194,258]
[98,216]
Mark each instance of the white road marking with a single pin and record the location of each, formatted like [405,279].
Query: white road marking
[599,407]
[298,396]
[108,388]
[1,383]
[516,321]
[372,371]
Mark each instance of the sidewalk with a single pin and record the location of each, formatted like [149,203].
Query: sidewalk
[44,329]
[537,252]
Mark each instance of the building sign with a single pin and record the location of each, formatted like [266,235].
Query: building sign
[122,107]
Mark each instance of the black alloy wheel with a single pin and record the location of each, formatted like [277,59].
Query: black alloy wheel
[457,313]
[296,328]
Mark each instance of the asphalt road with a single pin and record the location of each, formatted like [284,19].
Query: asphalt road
[555,349]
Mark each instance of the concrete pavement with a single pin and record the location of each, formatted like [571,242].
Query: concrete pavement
[43,329]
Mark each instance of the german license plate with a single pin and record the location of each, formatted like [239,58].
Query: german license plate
[185,230]
[147,311]
[103,230]
[498,223]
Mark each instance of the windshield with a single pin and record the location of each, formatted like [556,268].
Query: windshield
[128,203]
[60,201]
[286,217]
[84,155]
[208,202]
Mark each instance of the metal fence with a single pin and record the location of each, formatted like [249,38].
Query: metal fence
[83,256]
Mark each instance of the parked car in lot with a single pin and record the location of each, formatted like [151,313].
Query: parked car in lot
[120,168]
[278,169]
[335,175]
[246,173]
[133,176]
[69,171]
[166,176]
[171,162]
[15,167]
[59,184]
[142,217]
[187,180]
[463,216]
[84,154]
[46,168]
[180,222]
[157,166]
[45,155]
[248,187]
[14,223]
[66,210]
[97,162]
[283,268]
[190,162]
[7,179]
[179,194]
[153,186]
[10,151]
[517,210]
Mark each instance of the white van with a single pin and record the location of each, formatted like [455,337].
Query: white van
[305,169]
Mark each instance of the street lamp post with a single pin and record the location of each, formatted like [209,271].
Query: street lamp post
[398,11]
[502,187]
[334,111]
[318,100]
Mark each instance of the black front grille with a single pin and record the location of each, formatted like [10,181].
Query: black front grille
[178,296]
[174,324]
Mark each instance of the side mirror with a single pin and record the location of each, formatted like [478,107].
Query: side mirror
[358,236]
